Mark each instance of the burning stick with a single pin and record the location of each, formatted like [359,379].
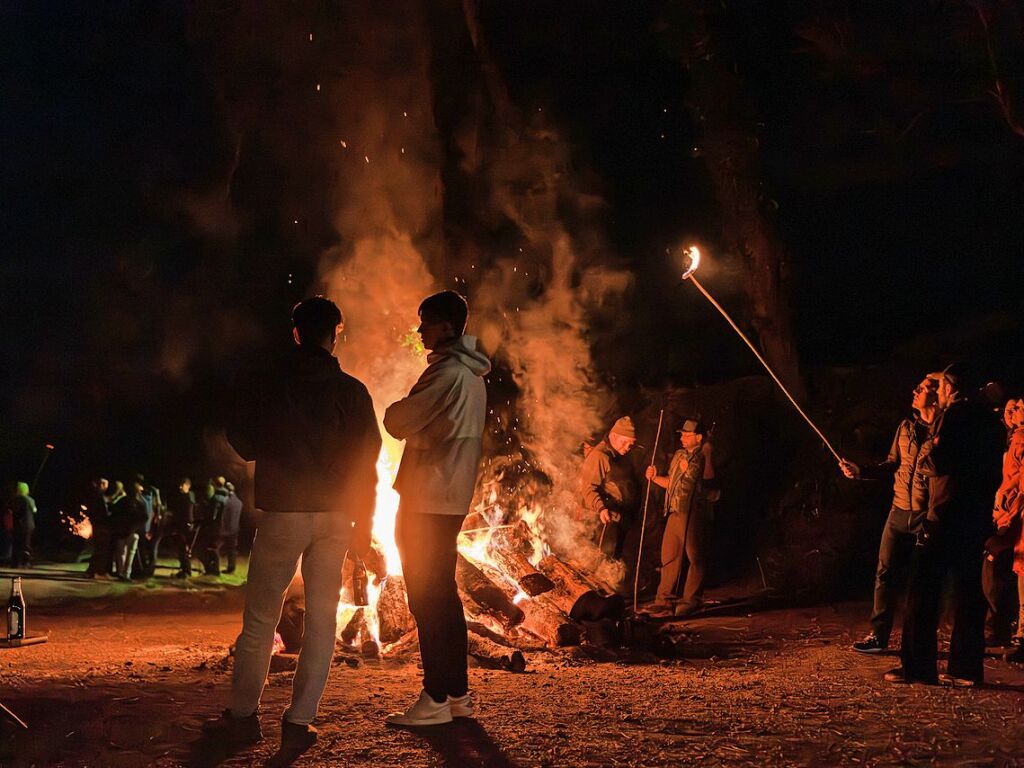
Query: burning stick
[643,522]
[691,262]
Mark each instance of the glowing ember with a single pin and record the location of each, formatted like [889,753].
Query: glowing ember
[691,260]
[80,528]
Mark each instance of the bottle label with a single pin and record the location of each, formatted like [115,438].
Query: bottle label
[13,624]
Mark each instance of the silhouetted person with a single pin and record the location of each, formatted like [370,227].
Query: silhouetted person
[98,513]
[128,523]
[442,423]
[962,463]
[230,524]
[211,528]
[312,432]
[181,526]
[23,523]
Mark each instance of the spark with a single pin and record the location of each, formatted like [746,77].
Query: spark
[311,37]
[344,144]
[367,159]
[318,87]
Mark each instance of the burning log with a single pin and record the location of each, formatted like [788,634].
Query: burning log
[355,627]
[493,656]
[485,596]
[393,610]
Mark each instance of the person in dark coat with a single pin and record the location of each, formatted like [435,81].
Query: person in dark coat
[23,523]
[210,533]
[98,513]
[181,525]
[907,513]
[230,524]
[962,463]
[128,523]
[311,429]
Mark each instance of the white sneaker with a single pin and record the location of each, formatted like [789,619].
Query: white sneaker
[462,706]
[425,711]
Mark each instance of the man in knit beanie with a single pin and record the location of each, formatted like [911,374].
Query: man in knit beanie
[608,490]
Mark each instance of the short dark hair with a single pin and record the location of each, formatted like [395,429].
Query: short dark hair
[315,319]
[446,306]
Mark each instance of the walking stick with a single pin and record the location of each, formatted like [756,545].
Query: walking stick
[643,522]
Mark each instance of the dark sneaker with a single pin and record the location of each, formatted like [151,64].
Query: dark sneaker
[870,644]
[237,730]
[958,682]
[296,739]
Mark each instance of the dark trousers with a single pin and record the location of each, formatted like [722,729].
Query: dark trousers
[999,584]
[427,545]
[894,555]
[229,548]
[610,537]
[959,557]
[21,539]
[102,550]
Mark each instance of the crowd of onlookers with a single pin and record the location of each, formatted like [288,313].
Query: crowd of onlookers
[131,525]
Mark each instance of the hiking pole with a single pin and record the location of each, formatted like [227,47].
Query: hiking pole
[692,254]
[643,522]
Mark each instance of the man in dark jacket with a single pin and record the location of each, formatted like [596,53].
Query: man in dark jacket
[230,523]
[962,463]
[311,430]
[98,513]
[181,527]
[210,529]
[909,507]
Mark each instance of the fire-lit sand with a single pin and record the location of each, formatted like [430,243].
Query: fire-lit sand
[126,680]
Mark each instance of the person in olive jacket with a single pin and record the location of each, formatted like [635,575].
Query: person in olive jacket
[909,507]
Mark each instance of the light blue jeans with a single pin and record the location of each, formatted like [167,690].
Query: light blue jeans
[321,540]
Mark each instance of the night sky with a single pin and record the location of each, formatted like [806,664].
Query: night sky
[156,158]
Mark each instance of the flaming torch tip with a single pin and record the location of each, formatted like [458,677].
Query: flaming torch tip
[691,260]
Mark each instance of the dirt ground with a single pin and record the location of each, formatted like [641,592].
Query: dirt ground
[128,675]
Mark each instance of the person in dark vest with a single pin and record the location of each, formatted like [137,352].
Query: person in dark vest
[311,429]
[442,423]
[98,513]
[687,523]
[906,514]
[962,463]
[607,490]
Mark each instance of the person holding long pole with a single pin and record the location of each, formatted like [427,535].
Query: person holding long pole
[686,527]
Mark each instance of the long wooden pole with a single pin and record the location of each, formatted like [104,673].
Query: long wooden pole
[767,367]
[643,522]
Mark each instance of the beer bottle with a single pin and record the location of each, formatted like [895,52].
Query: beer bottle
[359,583]
[16,612]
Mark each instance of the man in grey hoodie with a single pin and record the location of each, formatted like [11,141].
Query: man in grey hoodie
[442,422]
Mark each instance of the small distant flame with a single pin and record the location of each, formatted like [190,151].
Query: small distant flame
[81,528]
[691,260]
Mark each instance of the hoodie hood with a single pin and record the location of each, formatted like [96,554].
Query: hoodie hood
[464,350]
